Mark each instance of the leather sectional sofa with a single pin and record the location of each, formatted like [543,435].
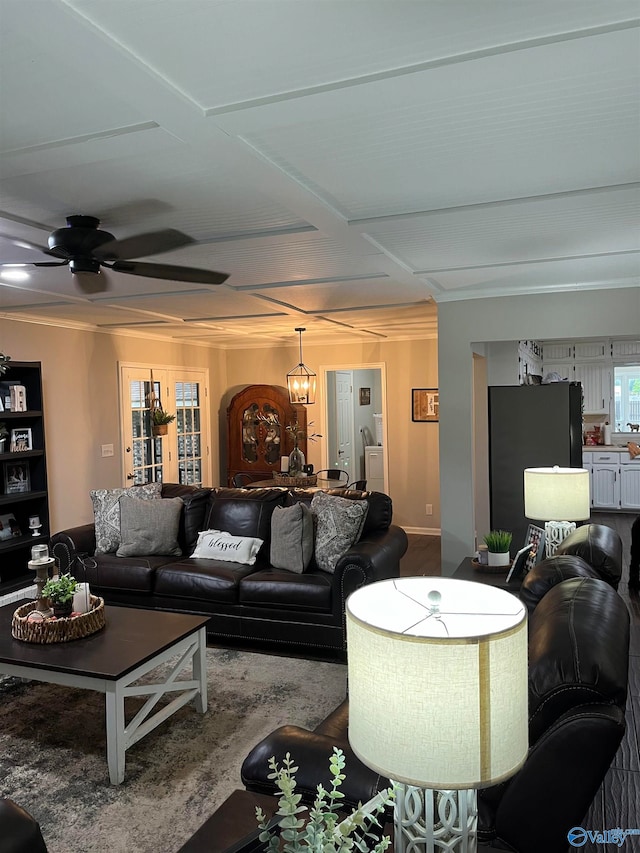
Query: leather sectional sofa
[251,605]
[578,672]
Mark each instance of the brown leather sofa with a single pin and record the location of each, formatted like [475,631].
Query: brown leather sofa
[578,675]
[256,606]
[19,832]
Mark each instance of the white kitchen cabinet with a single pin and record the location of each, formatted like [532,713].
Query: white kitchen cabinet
[563,369]
[595,380]
[605,480]
[629,482]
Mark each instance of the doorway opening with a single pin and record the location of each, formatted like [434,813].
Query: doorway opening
[354,419]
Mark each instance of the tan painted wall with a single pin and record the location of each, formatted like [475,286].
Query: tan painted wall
[80,378]
[413,447]
[81,400]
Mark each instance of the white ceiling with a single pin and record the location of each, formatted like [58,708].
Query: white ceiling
[350,163]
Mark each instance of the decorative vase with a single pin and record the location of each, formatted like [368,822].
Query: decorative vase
[160,429]
[296,462]
[499,558]
[61,611]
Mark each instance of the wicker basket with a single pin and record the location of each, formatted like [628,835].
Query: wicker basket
[59,630]
[286,480]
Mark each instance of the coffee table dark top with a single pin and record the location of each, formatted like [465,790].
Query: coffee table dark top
[130,638]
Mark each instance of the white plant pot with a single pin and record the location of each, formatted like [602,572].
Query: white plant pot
[501,558]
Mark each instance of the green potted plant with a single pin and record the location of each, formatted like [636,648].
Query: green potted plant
[498,542]
[60,592]
[160,421]
[320,829]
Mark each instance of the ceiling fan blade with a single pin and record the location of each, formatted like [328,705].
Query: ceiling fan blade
[170,272]
[24,244]
[34,264]
[141,245]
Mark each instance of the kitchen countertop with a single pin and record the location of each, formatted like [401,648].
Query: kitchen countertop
[591,447]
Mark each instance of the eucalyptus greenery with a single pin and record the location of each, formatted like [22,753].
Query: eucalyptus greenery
[498,541]
[319,829]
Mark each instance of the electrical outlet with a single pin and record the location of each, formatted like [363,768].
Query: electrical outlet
[107,449]
[429,509]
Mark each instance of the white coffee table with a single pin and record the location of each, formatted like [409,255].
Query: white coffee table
[131,645]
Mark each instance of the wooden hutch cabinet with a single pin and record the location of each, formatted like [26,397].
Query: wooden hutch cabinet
[257,437]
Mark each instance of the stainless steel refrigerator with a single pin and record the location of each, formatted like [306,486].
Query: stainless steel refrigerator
[530,426]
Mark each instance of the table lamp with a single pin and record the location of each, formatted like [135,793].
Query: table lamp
[557,493]
[438,699]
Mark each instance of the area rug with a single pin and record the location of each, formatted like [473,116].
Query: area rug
[53,760]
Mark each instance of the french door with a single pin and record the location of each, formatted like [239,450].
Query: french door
[180,456]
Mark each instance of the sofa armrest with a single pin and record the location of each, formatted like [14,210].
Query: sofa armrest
[19,832]
[68,545]
[311,753]
[376,556]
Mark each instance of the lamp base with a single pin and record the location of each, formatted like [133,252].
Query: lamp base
[432,821]
[554,533]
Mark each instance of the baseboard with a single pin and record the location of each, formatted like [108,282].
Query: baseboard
[422,531]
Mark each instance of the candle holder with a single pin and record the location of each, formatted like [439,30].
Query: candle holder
[35,525]
[41,563]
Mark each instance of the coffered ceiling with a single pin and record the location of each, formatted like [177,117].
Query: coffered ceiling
[349,163]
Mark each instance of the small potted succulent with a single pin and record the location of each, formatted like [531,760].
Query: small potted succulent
[60,592]
[160,421]
[498,542]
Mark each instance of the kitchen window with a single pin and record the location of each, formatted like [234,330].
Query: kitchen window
[626,391]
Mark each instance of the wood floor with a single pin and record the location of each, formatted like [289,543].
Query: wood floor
[617,804]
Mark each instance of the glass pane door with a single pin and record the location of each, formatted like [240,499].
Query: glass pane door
[188,423]
[146,450]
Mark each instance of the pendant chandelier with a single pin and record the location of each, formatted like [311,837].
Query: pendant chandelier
[301,381]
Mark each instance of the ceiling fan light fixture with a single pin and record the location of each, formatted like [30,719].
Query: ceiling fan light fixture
[301,381]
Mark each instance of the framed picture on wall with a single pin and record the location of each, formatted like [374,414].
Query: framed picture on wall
[425,405]
[365,396]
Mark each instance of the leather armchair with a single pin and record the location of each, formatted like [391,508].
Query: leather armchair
[19,832]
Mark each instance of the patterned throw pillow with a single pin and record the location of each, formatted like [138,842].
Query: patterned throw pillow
[340,523]
[106,513]
[149,527]
[292,537]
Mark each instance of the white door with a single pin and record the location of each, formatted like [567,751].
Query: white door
[344,417]
[181,456]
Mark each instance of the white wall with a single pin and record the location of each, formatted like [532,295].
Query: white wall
[461,325]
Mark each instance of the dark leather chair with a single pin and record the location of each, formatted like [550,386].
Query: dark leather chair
[241,479]
[358,485]
[338,474]
[598,545]
[19,832]
[634,556]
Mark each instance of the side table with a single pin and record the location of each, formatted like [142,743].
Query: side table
[466,572]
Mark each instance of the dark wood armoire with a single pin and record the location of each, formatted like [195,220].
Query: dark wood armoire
[257,418]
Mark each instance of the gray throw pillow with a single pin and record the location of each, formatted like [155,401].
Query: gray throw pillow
[340,523]
[291,537]
[149,527]
[106,512]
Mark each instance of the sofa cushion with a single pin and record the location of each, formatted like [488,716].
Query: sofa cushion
[122,574]
[380,508]
[578,650]
[284,590]
[548,573]
[339,525]
[244,512]
[106,511]
[196,502]
[220,545]
[207,581]
[292,537]
[600,546]
[149,527]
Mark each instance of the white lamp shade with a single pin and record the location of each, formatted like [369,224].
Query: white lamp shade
[438,701]
[559,494]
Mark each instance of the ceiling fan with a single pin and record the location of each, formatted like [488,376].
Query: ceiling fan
[85,249]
